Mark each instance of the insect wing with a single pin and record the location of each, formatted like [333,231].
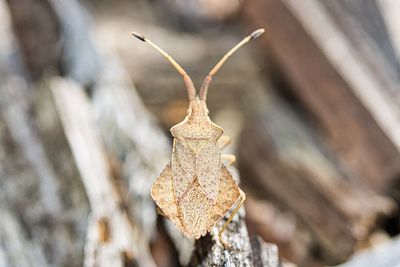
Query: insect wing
[183,168]
[208,169]
[195,215]
[163,195]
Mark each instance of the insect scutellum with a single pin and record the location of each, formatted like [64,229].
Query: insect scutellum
[196,189]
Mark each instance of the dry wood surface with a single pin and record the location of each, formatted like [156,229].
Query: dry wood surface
[312,109]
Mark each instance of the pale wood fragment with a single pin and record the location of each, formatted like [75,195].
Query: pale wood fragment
[383,255]
[125,242]
[264,254]
[16,249]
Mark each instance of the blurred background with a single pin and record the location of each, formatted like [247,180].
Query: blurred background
[312,107]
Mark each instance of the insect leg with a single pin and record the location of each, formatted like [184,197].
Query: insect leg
[240,204]
[224,141]
[230,158]
[160,212]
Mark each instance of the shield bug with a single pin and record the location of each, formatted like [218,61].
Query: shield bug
[195,190]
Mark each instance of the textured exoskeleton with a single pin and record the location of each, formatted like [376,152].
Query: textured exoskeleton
[195,190]
[203,190]
[196,153]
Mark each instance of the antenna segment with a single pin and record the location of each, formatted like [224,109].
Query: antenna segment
[207,80]
[188,81]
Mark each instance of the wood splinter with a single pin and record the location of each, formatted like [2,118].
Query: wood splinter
[195,190]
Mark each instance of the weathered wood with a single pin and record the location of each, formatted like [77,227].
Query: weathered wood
[36,28]
[383,255]
[80,60]
[363,26]
[16,249]
[47,200]
[346,100]
[264,254]
[13,106]
[112,238]
[135,150]
[277,225]
[284,160]
[132,140]
[389,13]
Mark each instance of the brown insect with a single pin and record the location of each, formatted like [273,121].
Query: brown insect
[195,190]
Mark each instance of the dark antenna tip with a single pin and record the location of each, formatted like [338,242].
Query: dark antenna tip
[256,33]
[139,36]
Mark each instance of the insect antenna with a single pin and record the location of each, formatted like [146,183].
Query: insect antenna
[188,81]
[207,80]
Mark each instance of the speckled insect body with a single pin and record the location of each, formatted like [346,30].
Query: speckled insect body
[196,152]
[195,190]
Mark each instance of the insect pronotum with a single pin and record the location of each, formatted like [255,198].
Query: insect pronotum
[195,190]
